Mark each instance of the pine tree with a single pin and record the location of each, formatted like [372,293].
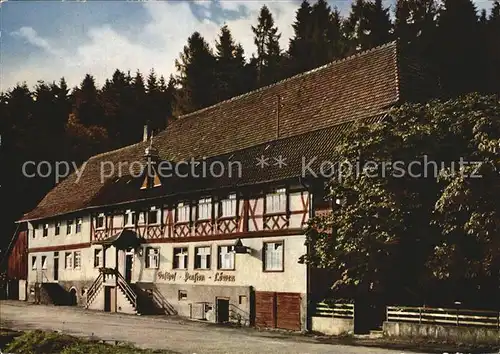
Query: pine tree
[368,25]
[356,27]
[415,24]
[196,75]
[62,105]
[301,45]
[380,25]
[268,59]
[459,48]
[230,66]
[87,107]
[492,36]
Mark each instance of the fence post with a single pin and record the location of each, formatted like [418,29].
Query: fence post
[420,315]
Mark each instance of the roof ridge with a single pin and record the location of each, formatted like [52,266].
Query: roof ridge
[114,151]
[350,57]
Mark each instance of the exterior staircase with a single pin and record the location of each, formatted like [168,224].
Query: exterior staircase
[109,276]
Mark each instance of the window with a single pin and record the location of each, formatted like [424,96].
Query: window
[180,258]
[154,216]
[98,257]
[78,259]
[33,262]
[273,256]
[202,258]
[129,218]
[79,222]
[226,257]
[242,300]
[68,260]
[45,230]
[69,225]
[229,206]
[183,295]
[57,230]
[182,212]
[100,221]
[276,202]
[141,218]
[152,258]
[44,262]
[205,209]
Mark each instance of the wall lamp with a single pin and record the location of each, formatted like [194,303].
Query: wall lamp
[239,248]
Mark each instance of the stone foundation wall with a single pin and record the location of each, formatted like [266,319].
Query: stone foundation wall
[455,334]
[59,293]
[184,299]
[332,326]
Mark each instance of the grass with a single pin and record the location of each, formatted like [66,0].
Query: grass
[40,342]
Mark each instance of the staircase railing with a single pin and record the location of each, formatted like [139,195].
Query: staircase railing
[94,288]
[127,290]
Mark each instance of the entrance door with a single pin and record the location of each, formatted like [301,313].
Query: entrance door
[107,298]
[56,266]
[222,310]
[128,267]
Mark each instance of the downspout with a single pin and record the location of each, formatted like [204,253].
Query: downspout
[309,307]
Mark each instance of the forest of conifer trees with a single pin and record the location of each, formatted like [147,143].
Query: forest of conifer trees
[53,122]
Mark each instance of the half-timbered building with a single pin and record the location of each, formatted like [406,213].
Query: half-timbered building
[219,241]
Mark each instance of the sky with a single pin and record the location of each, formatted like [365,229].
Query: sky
[47,40]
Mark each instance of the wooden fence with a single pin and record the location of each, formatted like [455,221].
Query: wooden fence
[443,316]
[335,310]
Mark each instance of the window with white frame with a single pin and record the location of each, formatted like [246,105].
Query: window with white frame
[57,229]
[69,227]
[273,256]
[228,206]
[129,218]
[202,257]
[44,262]
[182,212]
[154,216]
[68,260]
[98,257]
[45,230]
[152,257]
[100,222]
[276,202]
[78,227]
[78,259]
[180,258]
[226,257]
[141,219]
[33,262]
[205,209]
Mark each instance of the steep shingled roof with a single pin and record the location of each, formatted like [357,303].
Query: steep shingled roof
[362,86]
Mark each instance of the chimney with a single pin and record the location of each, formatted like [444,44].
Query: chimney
[145,135]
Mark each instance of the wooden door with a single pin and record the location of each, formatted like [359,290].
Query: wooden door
[107,298]
[265,309]
[222,310]
[288,311]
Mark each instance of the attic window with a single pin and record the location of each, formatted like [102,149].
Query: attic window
[151,181]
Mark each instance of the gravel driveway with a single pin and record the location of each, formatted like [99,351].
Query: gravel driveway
[179,335]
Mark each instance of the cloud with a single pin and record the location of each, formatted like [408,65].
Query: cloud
[32,37]
[155,43]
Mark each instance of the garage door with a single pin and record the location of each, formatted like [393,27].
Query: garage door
[288,311]
[265,309]
[277,310]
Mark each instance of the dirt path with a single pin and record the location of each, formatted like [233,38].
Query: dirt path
[179,335]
